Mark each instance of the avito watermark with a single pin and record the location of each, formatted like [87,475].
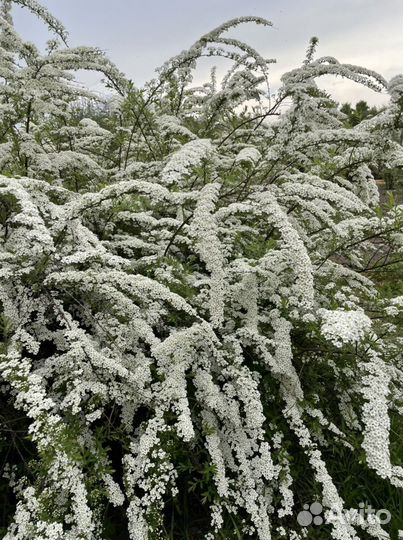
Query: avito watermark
[313,514]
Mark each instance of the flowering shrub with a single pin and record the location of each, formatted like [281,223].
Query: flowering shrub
[193,310]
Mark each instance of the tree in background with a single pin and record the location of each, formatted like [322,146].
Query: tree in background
[392,176]
[199,308]
[361,111]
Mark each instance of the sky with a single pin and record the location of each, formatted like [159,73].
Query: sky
[140,35]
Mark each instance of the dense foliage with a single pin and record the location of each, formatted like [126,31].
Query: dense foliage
[199,299]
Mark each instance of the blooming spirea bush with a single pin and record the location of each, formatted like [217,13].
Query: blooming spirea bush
[194,318]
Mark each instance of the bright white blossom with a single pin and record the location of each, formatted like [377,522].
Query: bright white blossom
[342,327]
[189,293]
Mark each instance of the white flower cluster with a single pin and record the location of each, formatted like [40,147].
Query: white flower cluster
[342,327]
[187,291]
[375,416]
[189,156]
[204,230]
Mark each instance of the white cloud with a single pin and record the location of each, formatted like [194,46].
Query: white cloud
[139,36]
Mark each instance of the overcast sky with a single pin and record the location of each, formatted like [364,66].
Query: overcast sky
[139,35]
